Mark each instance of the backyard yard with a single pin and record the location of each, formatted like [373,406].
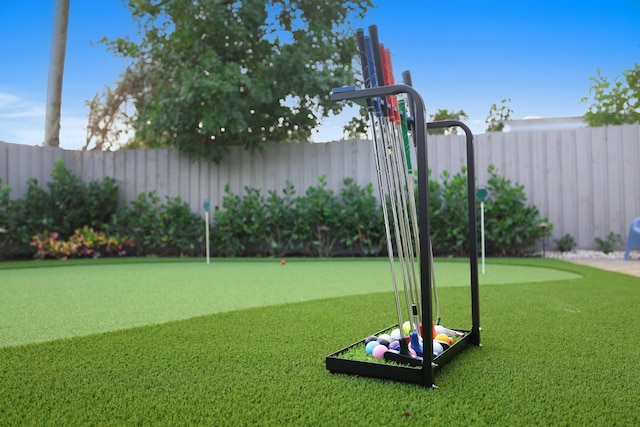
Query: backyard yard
[243,342]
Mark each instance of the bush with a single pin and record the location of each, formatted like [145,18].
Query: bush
[511,226]
[318,223]
[6,222]
[566,243]
[85,242]
[22,218]
[239,228]
[608,244]
[363,223]
[324,217]
[449,220]
[74,204]
[159,229]
[282,222]
[64,205]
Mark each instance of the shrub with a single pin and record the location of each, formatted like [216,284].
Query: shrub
[101,202]
[74,204]
[283,222]
[181,230]
[85,242]
[159,229]
[608,244]
[566,243]
[47,245]
[318,223]
[118,246]
[67,200]
[64,205]
[450,223]
[239,226]
[511,226]
[6,221]
[24,218]
[324,218]
[363,223]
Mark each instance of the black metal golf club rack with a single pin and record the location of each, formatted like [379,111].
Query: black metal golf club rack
[420,370]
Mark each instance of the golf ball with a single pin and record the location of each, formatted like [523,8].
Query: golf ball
[379,351]
[283,262]
[395,334]
[371,346]
[370,338]
[383,342]
[384,337]
[437,348]
[444,338]
[394,345]
[406,326]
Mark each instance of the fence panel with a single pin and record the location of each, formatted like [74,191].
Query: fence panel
[586,181]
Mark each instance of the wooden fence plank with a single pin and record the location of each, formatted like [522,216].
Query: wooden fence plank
[586,181]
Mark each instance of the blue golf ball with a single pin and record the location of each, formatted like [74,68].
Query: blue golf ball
[370,346]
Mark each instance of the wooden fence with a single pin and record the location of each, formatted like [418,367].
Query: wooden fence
[586,181]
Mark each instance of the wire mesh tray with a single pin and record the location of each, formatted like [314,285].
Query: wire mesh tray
[381,368]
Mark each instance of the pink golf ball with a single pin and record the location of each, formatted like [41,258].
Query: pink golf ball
[379,351]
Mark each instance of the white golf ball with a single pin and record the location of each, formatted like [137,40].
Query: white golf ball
[395,334]
[384,337]
[437,348]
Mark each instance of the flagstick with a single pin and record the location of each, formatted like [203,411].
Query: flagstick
[206,225]
[482,232]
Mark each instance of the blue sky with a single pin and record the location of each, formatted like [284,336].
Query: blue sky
[464,55]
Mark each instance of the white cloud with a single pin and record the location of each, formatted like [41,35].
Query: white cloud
[22,122]
[12,107]
[73,132]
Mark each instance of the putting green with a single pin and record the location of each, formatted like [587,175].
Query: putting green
[42,304]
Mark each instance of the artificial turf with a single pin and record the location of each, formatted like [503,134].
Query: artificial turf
[554,353]
[81,298]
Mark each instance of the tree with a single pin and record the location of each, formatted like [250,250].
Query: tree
[614,103]
[498,115]
[443,114]
[209,74]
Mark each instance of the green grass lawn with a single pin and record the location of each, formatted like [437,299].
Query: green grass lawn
[560,345]
[41,304]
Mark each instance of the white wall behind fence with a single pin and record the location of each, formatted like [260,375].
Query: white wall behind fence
[586,181]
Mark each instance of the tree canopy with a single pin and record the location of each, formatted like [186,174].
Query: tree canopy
[498,115]
[444,114]
[616,102]
[208,74]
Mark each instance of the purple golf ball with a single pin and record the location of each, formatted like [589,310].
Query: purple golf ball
[394,345]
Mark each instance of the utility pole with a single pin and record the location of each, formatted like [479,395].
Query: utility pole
[56,70]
